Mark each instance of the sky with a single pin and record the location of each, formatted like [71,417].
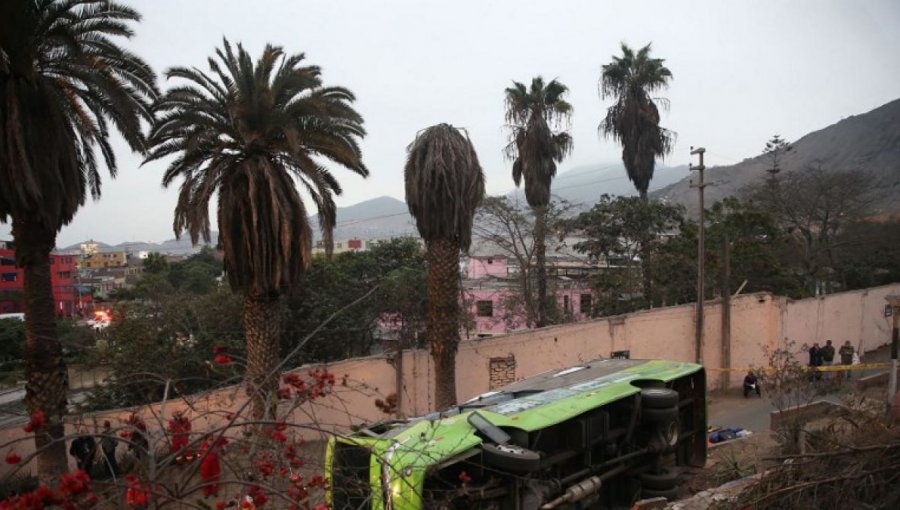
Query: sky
[742,71]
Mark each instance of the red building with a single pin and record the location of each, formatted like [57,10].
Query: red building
[68,299]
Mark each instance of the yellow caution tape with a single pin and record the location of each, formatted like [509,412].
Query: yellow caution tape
[832,368]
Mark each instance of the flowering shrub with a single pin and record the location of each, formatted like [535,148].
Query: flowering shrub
[242,464]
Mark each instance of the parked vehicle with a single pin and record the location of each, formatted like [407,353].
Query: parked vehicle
[598,435]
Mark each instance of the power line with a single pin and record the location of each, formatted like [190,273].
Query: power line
[512,190]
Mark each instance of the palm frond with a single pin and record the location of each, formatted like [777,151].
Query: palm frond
[251,130]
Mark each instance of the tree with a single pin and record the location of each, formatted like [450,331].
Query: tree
[511,230]
[247,132]
[775,150]
[626,234]
[813,205]
[444,186]
[755,245]
[633,120]
[328,285]
[65,85]
[532,114]
[181,328]
[155,263]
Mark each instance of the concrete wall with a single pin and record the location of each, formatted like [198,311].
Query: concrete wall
[758,321]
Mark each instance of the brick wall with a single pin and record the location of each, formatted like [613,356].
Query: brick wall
[503,371]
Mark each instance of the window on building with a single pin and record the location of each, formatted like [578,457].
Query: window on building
[567,304]
[6,261]
[490,261]
[8,277]
[64,275]
[485,308]
[586,304]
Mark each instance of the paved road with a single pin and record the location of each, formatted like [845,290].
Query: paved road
[753,413]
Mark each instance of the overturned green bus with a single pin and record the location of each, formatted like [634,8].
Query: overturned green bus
[598,435]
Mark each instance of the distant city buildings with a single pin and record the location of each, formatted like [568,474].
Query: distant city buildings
[70,299]
[102,259]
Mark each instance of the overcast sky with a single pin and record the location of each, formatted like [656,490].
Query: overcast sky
[743,70]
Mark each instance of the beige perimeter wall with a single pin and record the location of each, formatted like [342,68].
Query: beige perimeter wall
[758,322]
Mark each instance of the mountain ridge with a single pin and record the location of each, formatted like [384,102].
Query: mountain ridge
[868,141]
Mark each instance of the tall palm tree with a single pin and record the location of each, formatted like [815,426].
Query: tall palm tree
[532,114]
[444,186]
[249,132]
[633,120]
[65,84]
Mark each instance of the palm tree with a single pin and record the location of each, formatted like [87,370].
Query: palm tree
[65,84]
[535,150]
[633,120]
[249,132]
[444,186]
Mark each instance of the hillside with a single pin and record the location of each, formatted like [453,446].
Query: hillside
[583,185]
[870,141]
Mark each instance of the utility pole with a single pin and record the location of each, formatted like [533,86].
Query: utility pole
[726,311]
[700,254]
[894,303]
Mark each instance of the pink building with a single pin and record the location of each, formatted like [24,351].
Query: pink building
[491,287]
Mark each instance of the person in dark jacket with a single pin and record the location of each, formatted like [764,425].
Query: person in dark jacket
[108,445]
[828,357]
[815,359]
[751,383]
[84,448]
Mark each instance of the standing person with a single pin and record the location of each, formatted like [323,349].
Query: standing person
[84,448]
[828,357]
[847,353]
[751,383]
[108,445]
[815,360]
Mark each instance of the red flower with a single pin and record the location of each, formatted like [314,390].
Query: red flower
[321,506]
[223,359]
[38,419]
[210,471]
[136,496]
[464,477]
[220,505]
[73,484]
[180,427]
[258,496]
[219,349]
[13,458]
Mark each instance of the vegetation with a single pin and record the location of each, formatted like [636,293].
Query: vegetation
[444,186]
[397,267]
[181,328]
[510,229]
[814,206]
[66,85]
[619,232]
[246,132]
[535,148]
[633,120]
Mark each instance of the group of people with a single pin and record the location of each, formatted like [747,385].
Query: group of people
[84,449]
[818,357]
[824,357]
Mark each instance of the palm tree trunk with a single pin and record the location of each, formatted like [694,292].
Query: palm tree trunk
[443,317]
[45,369]
[540,234]
[262,329]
